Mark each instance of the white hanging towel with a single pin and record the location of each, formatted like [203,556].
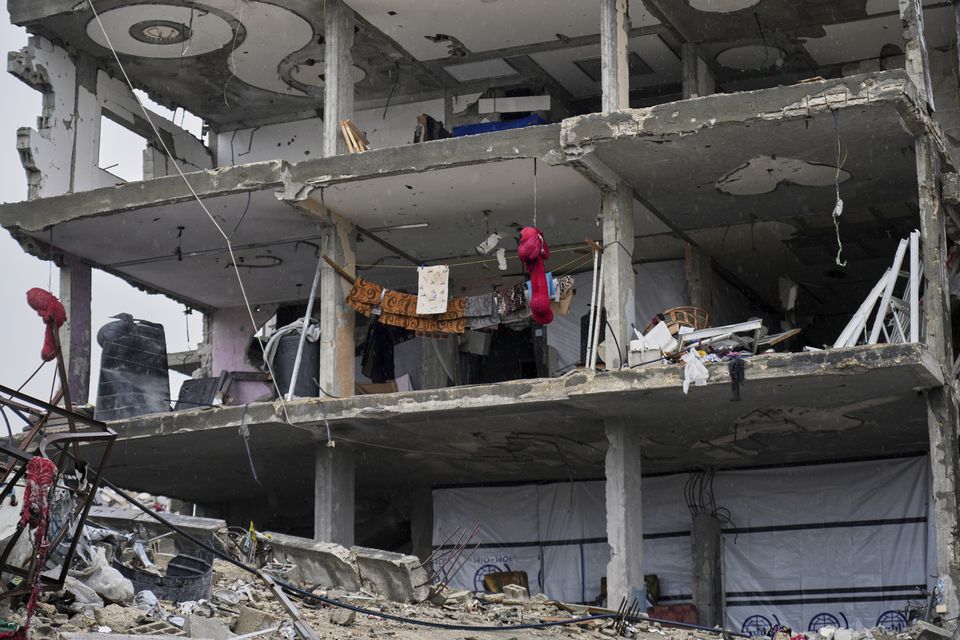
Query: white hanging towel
[432,289]
[694,371]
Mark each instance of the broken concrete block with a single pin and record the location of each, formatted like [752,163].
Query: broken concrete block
[118,618]
[392,575]
[925,631]
[208,628]
[251,620]
[343,617]
[515,592]
[322,563]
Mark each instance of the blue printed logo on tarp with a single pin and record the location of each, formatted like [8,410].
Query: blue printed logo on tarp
[756,626]
[892,620]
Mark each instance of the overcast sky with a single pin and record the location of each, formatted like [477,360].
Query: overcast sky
[22,329]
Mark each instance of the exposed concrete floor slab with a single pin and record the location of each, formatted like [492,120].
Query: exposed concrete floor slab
[713,136]
[830,405]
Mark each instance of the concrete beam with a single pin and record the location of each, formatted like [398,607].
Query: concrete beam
[619,297]
[915,48]
[292,181]
[614,37]
[696,76]
[76,292]
[779,103]
[338,22]
[624,513]
[333,491]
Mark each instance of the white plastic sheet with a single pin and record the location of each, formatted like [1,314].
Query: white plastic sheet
[846,544]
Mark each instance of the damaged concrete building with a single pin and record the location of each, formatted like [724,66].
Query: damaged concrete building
[779,160]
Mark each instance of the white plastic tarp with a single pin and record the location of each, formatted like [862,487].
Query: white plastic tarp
[844,544]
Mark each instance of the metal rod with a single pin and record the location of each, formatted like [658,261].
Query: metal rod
[915,286]
[303,331]
[593,305]
[596,327]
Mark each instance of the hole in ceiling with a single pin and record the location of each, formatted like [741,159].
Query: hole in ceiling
[635,65]
[764,173]
[751,56]
[722,6]
[311,72]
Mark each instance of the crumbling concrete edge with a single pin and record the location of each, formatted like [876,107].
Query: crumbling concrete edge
[580,135]
[307,413]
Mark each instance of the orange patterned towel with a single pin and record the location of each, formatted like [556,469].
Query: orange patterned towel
[400,309]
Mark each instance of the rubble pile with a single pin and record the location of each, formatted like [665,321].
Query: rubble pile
[242,606]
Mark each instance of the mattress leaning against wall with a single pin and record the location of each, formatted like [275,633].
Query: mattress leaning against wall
[845,544]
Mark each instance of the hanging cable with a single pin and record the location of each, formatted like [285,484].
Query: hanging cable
[534,192]
[176,165]
[838,206]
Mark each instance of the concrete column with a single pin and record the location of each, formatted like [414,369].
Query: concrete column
[338,22]
[421,523]
[337,342]
[624,513]
[614,34]
[696,76]
[333,495]
[76,291]
[618,278]
[707,545]
[943,416]
[915,48]
[699,278]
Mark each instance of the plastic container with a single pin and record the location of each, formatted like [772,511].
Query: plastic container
[283,361]
[187,578]
[133,369]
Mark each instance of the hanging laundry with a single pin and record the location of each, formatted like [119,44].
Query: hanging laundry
[400,309]
[432,289]
[563,295]
[481,311]
[737,377]
[694,372]
[533,250]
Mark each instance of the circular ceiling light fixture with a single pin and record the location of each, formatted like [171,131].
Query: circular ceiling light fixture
[751,57]
[160,32]
[722,6]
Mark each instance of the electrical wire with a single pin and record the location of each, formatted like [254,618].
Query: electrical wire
[176,165]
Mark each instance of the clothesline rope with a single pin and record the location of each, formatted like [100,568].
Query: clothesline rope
[459,264]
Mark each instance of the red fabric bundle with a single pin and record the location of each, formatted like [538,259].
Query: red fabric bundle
[533,250]
[52,313]
[35,513]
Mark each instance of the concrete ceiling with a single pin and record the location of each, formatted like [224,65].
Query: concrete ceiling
[485,25]
[230,61]
[867,133]
[277,268]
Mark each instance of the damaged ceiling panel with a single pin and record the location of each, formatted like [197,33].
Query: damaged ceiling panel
[227,61]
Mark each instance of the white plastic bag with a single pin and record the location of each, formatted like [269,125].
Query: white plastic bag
[105,580]
[85,598]
[694,371]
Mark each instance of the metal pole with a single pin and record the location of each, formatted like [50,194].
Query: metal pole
[915,276]
[599,322]
[303,331]
[593,305]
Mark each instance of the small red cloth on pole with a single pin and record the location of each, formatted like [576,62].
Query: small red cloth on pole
[52,313]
